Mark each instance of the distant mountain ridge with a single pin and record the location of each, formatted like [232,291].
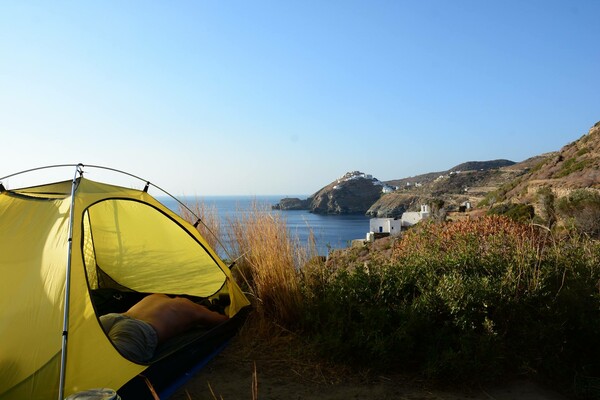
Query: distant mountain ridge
[468,182]
[576,165]
[466,166]
[482,165]
[360,193]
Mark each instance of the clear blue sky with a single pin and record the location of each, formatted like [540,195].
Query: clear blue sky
[282,97]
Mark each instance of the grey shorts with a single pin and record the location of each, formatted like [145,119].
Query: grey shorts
[136,340]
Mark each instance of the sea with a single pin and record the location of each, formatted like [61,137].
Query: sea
[329,231]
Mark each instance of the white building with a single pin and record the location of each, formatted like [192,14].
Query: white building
[385,225]
[390,226]
[412,217]
[393,226]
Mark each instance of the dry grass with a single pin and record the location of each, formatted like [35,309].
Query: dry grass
[270,259]
[270,268]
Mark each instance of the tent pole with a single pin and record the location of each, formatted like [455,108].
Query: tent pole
[63,357]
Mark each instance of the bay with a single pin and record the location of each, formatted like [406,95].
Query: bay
[330,231]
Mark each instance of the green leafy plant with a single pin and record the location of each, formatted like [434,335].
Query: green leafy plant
[572,165]
[471,300]
[517,212]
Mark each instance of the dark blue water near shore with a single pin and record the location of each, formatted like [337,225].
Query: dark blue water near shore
[330,231]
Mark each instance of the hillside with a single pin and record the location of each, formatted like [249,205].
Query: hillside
[359,193]
[466,166]
[352,193]
[466,182]
[576,165]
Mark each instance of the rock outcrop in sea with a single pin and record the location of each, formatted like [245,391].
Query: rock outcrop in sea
[292,203]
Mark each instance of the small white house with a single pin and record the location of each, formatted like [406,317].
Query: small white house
[412,217]
[393,226]
[385,225]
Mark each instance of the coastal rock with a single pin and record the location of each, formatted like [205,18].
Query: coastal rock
[354,193]
[292,203]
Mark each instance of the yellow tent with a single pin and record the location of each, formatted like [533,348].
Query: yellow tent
[63,242]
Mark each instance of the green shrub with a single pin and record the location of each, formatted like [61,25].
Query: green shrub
[499,194]
[571,165]
[547,201]
[581,209]
[538,166]
[517,212]
[468,301]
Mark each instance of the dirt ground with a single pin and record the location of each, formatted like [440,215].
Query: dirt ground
[230,376]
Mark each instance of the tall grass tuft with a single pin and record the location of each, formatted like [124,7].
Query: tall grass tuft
[270,261]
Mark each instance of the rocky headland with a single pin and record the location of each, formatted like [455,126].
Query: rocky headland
[576,165]
[352,193]
[360,193]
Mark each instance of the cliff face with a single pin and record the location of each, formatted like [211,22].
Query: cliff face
[353,196]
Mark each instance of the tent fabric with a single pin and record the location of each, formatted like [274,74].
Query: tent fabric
[121,237]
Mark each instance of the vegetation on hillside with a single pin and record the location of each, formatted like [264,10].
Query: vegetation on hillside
[468,302]
[513,289]
[575,166]
[581,211]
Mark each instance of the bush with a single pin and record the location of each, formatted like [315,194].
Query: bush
[547,201]
[572,165]
[467,301]
[517,212]
[499,194]
[581,209]
[269,261]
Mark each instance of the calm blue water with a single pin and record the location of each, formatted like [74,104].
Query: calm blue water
[330,231]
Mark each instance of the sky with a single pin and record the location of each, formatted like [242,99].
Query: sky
[283,97]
